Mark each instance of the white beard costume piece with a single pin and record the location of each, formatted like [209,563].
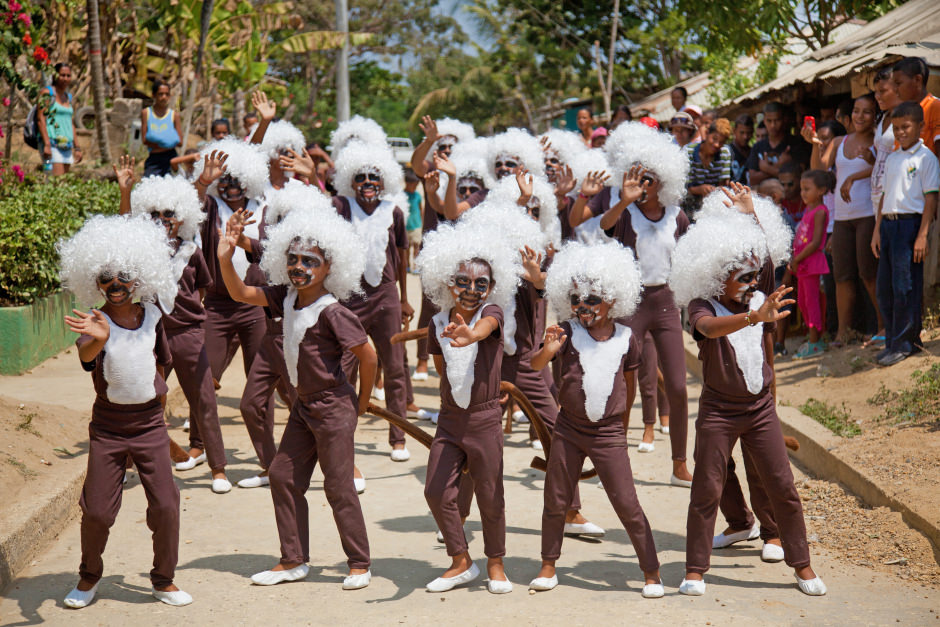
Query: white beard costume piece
[296,323]
[655,242]
[129,366]
[240,258]
[590,231]
[460,360]
[748,345]
[600,362]
[373,230]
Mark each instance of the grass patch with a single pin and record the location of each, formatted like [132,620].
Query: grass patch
[21,467]
[837,420]
[917,404]
[27,424]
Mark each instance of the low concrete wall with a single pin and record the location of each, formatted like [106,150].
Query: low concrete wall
[33,333]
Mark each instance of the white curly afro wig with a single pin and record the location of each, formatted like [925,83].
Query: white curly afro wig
[709,251]
[449,127]
[357,128]
[566,145]
[608,270]
[593,160]
[508,222]
[245,162]
[444,249]
[518,143]
[294,195]
[358,157]
[114,244]
[162,193]
[470,159]
[778,233]
[507,192]
[316,224]
[635,143]
[282,135]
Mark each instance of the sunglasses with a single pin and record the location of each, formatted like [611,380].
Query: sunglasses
[648,179]
[228,181]
[122,277]
[512,165]
[444,147]
[305,260]
[683,122]
[591,301]
[372,178]
[481,284]
[169,214]
[466,190]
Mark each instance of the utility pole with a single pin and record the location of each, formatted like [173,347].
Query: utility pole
[342,65]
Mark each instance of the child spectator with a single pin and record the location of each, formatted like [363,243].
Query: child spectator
[809,261]
[910,80]
[780,146]
[710,164]
[741,147]
[162,132]
[413,223]
[221,129]
[907,208]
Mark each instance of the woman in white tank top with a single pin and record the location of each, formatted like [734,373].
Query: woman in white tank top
[887,97]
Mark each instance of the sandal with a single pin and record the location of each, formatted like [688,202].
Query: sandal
[810,350]
[875,341]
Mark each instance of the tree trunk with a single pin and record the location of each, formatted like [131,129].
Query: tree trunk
[205,17]
[610,59]
[97,80]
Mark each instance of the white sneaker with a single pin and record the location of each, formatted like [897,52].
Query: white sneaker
[254,482]
[176,598]
[434,417]
[443,584]
[664,429]
[813,587]
[125,477]
[221,486]
[496,586]
[440,536]
[588,529]
[419,376]
[654,590]
[378,394]
[543,584]
[192,462]
[645,447]
[723,540]
[77,599]
[519,416]
[273,577]
[771,553]
[355,582]
[420,414]
[682,483]
[537,445]
[692,587]
[400,455]
[186,425]
[360,483]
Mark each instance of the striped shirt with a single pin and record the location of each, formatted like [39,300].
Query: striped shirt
[717,173]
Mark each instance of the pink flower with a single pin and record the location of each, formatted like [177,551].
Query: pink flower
[23,17]
[8,18]
[18,171]
[6,101]
[1,132]
[15,6]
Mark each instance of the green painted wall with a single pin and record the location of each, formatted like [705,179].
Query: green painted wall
[29,335]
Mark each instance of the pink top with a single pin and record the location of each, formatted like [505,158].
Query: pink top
[816,262]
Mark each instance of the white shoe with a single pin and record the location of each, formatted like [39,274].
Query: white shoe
[543,584]
[771,553]
[434,417]
[499,587]
[645,447]
[176,598]
[682,483]
[664,430]
[400,455]
[191,463]
[378,394]
[125,477]
[221,486]
[77,599]
[692,587]
[443,584]
[355,582]
[360,483]
[420,414]
[537,445]
[186,425]
[419,376]
[588,529]
[273,577]
[254,482]
[519,416]
[440,536]
[813,587]
[654,590]
[723,540]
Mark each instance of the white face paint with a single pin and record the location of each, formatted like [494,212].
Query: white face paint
[505,164]
[471,284]
[305,265]
[742,283]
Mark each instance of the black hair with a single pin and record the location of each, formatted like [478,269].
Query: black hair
[775,106]
[762,125]
[838,129]
[157,84]
[744,120]
[586,108]
[221,121]
[624,109]
[913,66]
[844,110]
[821,178]
[683,91]
[909,109]
[58,66]
[791,167]
[883,74]
[869,96]
[250,114]
[410,176]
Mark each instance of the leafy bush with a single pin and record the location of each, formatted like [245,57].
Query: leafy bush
[33,216]
[838,420]
[917,404]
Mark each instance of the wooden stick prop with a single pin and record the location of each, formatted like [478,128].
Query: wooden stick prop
[405,336]
[177,454]
[544,435]
[411,429]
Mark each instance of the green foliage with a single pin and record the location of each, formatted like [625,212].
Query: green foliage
[34,215]
[728,79]
[838,420]
[917,404]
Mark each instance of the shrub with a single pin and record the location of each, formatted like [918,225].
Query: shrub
[838,420]
[33,216]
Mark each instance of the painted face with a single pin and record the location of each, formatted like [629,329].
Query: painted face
[230,189]
[742,283]
[589,310]
[367,185]
[445,145]
[118,289]
[467,186]
[306,265]
[534,208]
[168,219]
[651,185]
[553,166]
[505,164]
[472,284]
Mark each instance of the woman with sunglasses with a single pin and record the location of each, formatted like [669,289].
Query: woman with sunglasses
[126,263]
[641,212]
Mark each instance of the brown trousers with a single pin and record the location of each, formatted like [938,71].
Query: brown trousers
[320,429]
[191,362]
[720,424]
[473,438]
[651,396]
[605,443]
[734,508]
[103,489]
[428,311]
[268,371]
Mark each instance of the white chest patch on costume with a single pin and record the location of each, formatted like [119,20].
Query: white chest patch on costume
[600,362]
[654,243]
[373,229]
[590,231]
[240,259]
[296,323]
[459,361]
[748,345]
[509,326]
[129,363]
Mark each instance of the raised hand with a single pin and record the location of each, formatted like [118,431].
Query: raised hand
[429,127]
[564,181]
[531,265]
[459,333]
[525,182]
[265,108]
[594,183]
[632,186]
[299,164]
[739,196]
[432,182]
[809,134]
[213,167]
[92,324]
[554,339]
[770,310]
[228,240]
[445,165]
[124,172]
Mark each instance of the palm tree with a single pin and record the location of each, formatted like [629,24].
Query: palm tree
[97,80]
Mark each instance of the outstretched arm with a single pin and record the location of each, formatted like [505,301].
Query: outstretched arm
[462,335]
[237,289]
[94,325]
[266,110]
[720,326]
[418,158]
[593,185]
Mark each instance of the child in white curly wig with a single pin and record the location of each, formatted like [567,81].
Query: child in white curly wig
[512,149]
[173,202]
[463,180]
[471,277]
[716,268]
[357,129]
[370,181]
[639,210]
[561,148]
[313,259]
[122,260]
[592,286]
[440,138]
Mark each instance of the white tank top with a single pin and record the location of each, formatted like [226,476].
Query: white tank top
[860,205]
[884,146]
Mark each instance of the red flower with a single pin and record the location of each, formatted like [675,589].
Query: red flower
[27,39]
[15,6]
[8,18]
[41,55]
[6,101]
[27,21]
[18,171]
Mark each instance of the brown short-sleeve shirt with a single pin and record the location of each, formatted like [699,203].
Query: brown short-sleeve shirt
[397,239]
[210,244]
[188,310]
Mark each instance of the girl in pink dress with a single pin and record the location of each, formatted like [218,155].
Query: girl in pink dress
[809,260]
